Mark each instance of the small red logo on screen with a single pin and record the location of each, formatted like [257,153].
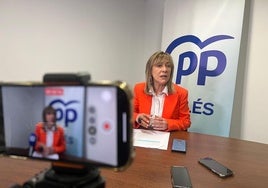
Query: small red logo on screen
[54,91]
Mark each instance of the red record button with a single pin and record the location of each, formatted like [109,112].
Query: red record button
[107,126]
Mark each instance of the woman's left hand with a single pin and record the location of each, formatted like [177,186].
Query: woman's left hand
[159,123]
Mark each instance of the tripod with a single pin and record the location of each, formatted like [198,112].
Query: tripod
[62,175]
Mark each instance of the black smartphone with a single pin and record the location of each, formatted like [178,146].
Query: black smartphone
[180,177]
[216,167]
[95,120]
[178,145]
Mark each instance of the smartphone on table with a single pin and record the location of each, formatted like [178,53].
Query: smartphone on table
[180,177]
[216,167]
[178,145]
[95,117]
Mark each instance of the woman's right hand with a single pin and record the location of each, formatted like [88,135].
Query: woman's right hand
[143,120]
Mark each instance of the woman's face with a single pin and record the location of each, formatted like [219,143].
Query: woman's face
[50,118]
[161,72]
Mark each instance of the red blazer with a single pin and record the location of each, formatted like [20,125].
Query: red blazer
[175,110]
[59,144]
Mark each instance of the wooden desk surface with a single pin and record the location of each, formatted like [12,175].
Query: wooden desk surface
[151,167]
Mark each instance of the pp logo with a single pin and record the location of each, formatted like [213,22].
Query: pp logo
[66,113]
[203,70]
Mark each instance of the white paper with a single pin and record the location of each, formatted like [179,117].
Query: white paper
[54,156]
[151,139]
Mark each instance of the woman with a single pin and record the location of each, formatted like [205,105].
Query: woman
[160,104]
[50,137]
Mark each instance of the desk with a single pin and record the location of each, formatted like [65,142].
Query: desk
[151,167]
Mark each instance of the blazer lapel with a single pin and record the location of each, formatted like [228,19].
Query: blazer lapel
[147,103]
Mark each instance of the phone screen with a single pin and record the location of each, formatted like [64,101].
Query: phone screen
[94,119]
[180,177]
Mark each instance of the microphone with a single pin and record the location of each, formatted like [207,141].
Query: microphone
[32,141]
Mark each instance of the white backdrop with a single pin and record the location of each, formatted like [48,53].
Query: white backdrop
[205,42]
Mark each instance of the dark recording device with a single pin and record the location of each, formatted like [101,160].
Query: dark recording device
[95,117]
